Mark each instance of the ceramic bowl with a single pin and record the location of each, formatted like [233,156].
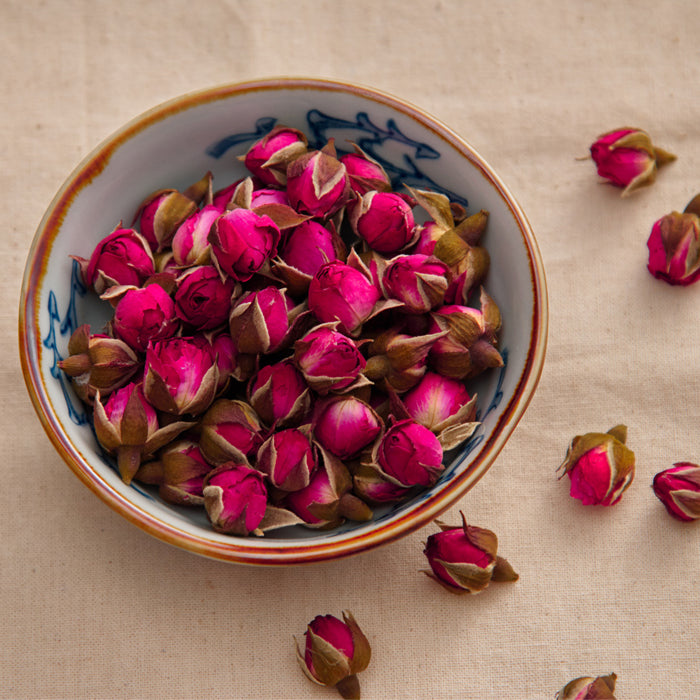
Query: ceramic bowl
[173,145]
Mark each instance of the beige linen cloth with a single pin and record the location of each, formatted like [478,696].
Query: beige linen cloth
[91,607]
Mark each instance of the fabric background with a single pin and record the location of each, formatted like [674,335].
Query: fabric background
[91,607]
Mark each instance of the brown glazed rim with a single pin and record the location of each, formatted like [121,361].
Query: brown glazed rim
[252,550]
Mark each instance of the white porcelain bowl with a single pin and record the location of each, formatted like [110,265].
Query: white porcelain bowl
[173,145]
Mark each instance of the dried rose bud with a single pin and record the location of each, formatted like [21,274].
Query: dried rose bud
[339,292]
[305,250]
[364,172]
[384,220]
[371,486]
[418,281]
[181,375]
[279,394]
[190,243]
[600,466]
[444,406]
[224,350]
[98,363]
[183,470]
[317,183]
[161,214]
[428,235]
[122,258]
[242,242]
[268,158]
[229,431]
[288,459]
[464,559]
[203,299]
[334,652]
[259,321]
[589,688]
[627,158]
[126,425]
[329,360]
[678,488]
[261,197]
[409,454]
[399,359]
[345,425]
[235,498]
[470,346]
[327,502]
[143,315]
[674,248]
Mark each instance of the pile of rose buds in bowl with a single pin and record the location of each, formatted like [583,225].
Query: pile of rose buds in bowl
[294,348]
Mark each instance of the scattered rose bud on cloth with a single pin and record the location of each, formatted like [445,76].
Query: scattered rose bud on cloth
[674,246]
[678,488]
[334,653]
[464,559]
[600,466]
[627,158]
[588,688]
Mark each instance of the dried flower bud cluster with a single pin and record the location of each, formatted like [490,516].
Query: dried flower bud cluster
[293,348]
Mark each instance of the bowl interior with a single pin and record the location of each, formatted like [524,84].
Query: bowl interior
[173,146]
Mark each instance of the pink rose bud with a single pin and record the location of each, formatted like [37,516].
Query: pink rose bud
[122,258]
[181,375]
[161,214]
[230,431]
[242,242]
[470,346]
[288,459]
[305,250]
[418,281]
[268,158]
[372,487]
[589,688]
[384,220]
[428,235]
[678,488]
[600,466]
[327,502]
[191,240]
[235,498]
[266,195]
[143,315]
[127,426]
[345,425]
[674,249]
[98,363]
[365,173]
[329,360]
[224,350]
[435,400]
[279,394]
[464,559]
[183,470]
[627,158]
[317,183]
[334,652]
[259,321]
[339,292]
[203,299]
[399,359]
[410,454]
[223,197]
